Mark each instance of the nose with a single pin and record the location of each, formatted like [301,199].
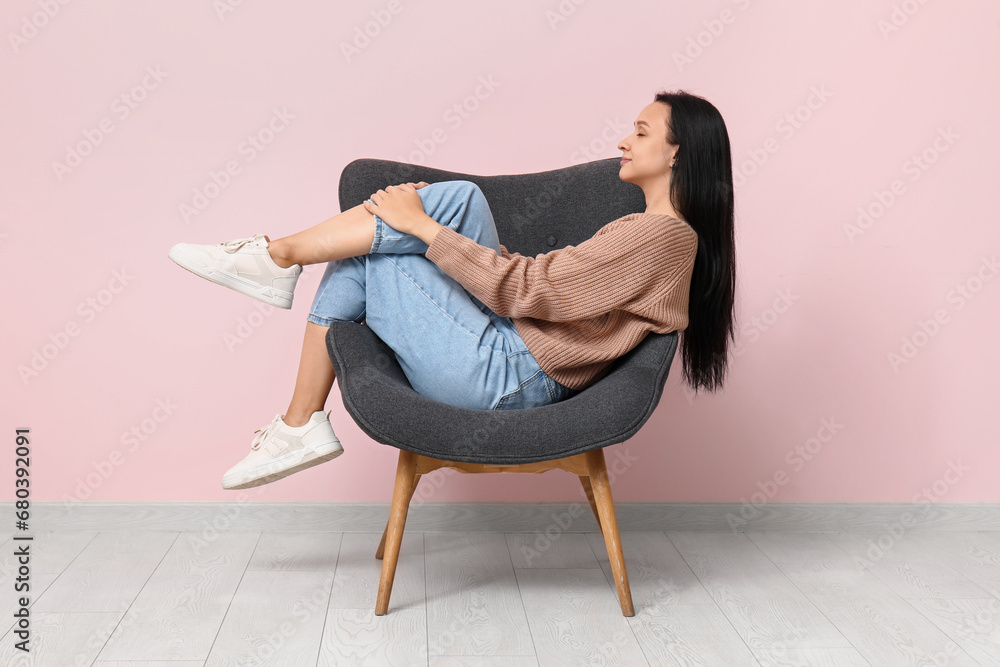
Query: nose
[621,145]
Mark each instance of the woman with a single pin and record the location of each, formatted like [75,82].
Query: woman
[472,324]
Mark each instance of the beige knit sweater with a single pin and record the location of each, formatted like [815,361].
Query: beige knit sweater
[579,308]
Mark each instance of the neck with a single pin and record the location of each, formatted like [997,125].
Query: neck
[658,202]
[671,213]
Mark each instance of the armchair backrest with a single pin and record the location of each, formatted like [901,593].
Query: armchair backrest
[534,213]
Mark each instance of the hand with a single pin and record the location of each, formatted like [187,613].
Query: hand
[399,206]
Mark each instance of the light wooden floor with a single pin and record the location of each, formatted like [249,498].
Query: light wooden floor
[492,599]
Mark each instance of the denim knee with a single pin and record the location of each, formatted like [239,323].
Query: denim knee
[468,189]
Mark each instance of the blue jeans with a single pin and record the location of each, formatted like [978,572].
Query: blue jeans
[451,346]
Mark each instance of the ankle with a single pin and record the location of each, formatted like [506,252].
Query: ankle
[295,419]
[280,253]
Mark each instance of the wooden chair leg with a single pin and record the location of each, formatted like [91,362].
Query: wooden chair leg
[402,492]
[381,545]
[606,509]
[589,490]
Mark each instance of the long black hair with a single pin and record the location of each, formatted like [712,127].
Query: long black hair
[701,191]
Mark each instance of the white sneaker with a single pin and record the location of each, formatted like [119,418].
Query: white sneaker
[280,450]
[243,265]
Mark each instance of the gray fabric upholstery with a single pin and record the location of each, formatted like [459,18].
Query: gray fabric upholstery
[534,213]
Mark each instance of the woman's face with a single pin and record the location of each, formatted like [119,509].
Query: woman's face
[646,155]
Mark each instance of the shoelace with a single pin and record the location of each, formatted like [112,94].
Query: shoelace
[236,244]
[264,433]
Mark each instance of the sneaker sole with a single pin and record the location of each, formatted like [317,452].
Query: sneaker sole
[268,295]
[313,459]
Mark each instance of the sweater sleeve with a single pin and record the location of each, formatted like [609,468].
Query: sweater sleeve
[624,261]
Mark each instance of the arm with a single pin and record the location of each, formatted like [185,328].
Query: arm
[624,261]
[426,229]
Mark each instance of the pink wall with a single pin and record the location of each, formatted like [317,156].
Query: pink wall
[829,107]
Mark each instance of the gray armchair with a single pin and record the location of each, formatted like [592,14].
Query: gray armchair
[534,213]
